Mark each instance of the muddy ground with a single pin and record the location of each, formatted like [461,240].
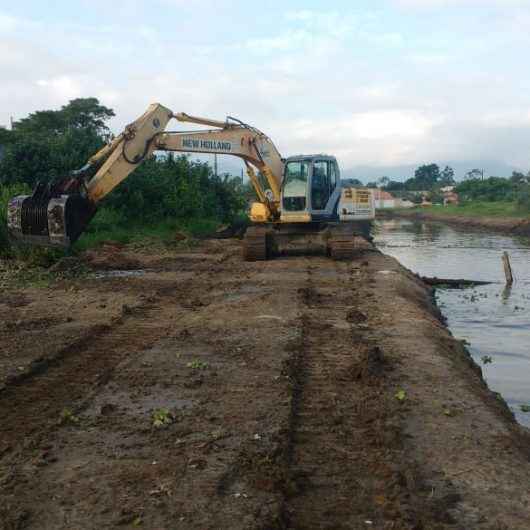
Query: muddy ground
[210,393]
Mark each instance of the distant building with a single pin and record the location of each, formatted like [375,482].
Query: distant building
[426,199]
[383,199]
[451,198]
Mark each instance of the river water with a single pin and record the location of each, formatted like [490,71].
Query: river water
[493,319]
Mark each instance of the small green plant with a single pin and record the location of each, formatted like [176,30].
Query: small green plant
[401,395]
[67,416]
[486,359]
[198,365]
[162,418]
[525,408]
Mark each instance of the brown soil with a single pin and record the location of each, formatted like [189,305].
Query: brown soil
[500,224]
[292,394]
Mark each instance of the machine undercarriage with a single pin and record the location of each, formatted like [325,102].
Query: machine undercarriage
[338,240]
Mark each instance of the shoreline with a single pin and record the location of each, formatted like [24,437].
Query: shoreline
[508,225]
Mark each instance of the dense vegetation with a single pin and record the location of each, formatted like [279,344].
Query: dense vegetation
[164,192]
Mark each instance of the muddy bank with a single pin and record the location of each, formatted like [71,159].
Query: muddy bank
[500,224]
[212,393]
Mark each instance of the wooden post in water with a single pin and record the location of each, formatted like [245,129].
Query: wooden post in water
[507,268]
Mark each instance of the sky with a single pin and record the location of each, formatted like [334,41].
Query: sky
[379,84]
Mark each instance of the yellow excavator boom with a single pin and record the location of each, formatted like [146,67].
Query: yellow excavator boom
[57,214]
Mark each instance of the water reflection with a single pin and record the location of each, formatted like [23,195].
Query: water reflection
[506,293]
[494,319]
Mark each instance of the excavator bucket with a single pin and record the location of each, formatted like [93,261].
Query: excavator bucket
[46,219]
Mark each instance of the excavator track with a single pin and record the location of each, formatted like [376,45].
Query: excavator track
[255,244]
[342,247]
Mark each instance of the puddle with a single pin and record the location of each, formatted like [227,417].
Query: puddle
[120,402]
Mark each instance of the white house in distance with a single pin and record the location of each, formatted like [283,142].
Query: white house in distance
[384,199]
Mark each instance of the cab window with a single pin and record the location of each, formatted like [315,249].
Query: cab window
[320,185]
[295,186]
[333,177]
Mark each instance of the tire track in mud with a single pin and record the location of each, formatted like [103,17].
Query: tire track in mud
[31,404]
[345,457]
[318,457]
[32,407]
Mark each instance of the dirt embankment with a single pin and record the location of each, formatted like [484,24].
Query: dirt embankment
[501,224]
[211,393]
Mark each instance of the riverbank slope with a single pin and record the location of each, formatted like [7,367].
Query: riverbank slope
[514,225]
[207,392]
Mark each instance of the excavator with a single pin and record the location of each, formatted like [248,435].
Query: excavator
[300,198]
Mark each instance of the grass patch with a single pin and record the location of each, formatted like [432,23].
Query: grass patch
[26,265]
[162,418]
[476,209]
[108,225]
[198,365]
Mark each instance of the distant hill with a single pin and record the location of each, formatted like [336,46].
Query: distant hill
[491,168]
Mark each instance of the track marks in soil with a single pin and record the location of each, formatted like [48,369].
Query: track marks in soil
[31,407]
[294,423]
[345,457]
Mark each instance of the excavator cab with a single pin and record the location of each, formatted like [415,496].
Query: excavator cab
[319,213]
[311,189]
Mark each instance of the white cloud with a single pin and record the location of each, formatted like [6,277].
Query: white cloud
[461,3]
[362,85]
[7,23]
[63,87]
[430,58]
[311,32]
[392,123]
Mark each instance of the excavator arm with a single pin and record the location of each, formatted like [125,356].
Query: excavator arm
[56,214]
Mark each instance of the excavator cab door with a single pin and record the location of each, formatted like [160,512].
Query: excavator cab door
[295,191]
[324,192]
[320,185]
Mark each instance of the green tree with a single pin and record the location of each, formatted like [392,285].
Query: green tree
[426,177]
[49,144]
[5,136]
[518,177]
[395,185]
[383,181]
[490,189]
[523,198]
[447,177]
[474,174]
[81,113]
